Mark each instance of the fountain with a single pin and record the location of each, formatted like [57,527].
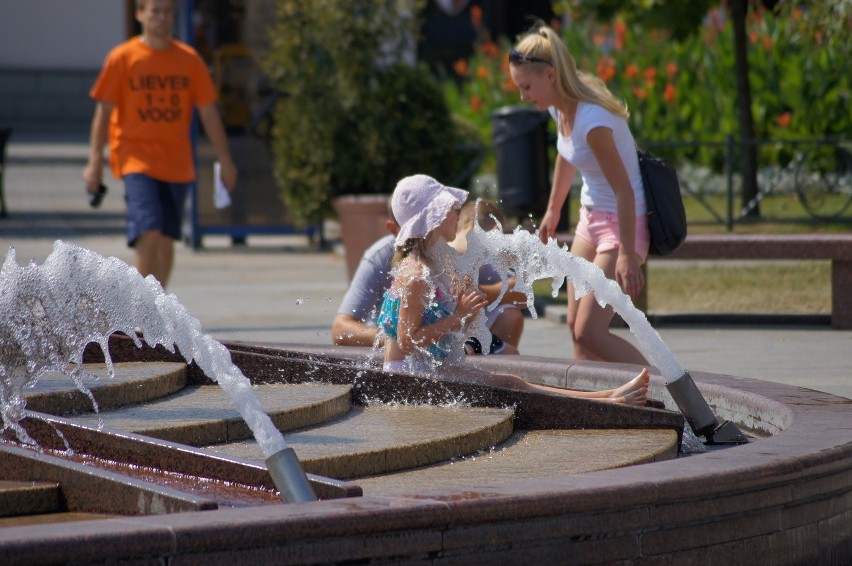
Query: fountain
[785,496]
[523,254]
[77,297]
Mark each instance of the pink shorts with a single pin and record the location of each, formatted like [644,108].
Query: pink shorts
[600,228]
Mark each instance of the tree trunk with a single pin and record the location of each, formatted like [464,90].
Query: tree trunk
[748,150]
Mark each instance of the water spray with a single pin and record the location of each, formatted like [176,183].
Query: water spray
[523,254]
[78,296]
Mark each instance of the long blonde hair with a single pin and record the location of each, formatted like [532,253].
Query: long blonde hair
[544,43]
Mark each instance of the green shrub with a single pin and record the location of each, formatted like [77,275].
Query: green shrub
[355,117]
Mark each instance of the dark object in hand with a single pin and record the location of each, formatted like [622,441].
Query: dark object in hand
[96,198]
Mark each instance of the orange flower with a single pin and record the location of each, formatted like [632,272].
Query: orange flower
[767,43]
[606,68]
[670,92]
[640,92]
[671,69]
[481,72]
[599,39]
[650,74]
[476,103]
[631,71]
[509,85]
[476,16]
[784,119]
[753,36]
[490,50]
[460,68]
[620,29]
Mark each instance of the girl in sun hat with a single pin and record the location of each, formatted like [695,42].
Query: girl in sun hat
[425,308]
[426,311]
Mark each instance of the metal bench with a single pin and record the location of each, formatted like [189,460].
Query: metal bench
[834,247]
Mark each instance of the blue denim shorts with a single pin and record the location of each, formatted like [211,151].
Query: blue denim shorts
[153,205]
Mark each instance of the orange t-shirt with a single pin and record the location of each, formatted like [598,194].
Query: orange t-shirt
[154,92]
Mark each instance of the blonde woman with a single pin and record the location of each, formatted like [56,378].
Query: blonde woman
[594,140]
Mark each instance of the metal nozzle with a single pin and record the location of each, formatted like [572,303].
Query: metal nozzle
[693,406]
[698,414]
[289,477]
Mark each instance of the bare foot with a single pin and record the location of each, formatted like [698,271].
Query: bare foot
[635,391]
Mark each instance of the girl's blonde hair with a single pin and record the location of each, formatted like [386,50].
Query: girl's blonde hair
[415,247]
[544,43]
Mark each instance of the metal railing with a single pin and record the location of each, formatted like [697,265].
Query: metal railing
[810,180]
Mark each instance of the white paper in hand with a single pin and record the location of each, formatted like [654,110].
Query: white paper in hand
[221,198]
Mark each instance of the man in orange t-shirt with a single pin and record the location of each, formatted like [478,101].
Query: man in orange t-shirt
[146,94]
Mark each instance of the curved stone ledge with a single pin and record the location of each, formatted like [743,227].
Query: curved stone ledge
[783,499]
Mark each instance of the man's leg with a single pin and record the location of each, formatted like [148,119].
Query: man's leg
[509,325]
[155,256]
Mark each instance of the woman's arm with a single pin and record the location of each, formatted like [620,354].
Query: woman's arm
[627,271]
[563,176]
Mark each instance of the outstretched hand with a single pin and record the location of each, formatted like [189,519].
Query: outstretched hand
[470,302]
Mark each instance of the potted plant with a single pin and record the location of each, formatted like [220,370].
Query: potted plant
[356,117]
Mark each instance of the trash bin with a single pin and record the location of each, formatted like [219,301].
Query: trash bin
[519,134]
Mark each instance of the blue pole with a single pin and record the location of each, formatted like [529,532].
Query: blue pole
[184,33]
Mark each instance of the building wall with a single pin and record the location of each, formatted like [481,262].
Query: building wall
[59,34]
[50,52]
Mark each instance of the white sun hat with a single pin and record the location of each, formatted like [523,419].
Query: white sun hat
[420,204]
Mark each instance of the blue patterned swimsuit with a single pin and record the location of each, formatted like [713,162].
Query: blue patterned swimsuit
[437,309]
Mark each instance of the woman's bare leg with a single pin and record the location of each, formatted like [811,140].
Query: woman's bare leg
[589,322]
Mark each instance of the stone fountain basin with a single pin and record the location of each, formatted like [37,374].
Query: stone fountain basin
[786,497]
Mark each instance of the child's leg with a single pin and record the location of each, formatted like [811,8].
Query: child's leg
[633,392]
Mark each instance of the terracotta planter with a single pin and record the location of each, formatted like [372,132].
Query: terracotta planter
[362,222]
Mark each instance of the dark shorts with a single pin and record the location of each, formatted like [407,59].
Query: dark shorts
[153,205]
[473,346]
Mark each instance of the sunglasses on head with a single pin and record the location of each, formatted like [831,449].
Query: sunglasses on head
[516,56]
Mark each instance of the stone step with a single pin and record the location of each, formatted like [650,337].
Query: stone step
[202,415]
[133,383]
[530,455]
[47,518]
[383,438]
[28,498]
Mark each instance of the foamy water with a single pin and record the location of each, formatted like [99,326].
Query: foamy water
[78,296]
[523,253]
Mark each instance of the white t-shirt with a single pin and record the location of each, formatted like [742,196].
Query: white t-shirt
[596,192]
